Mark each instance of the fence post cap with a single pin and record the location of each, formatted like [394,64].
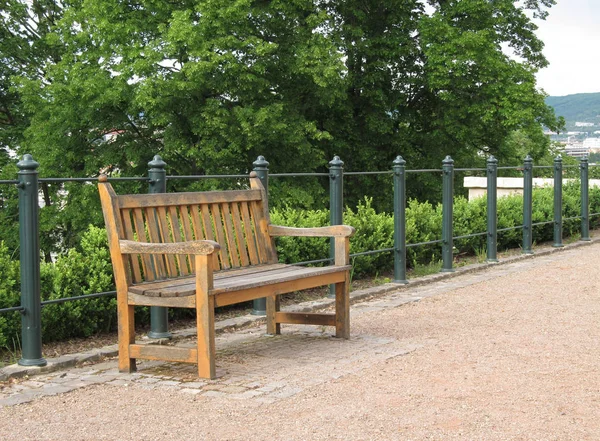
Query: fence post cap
[528,158]
[399,161]
[448,160]
[584,159]
[260,162]
[336,162]
[558,158]
[157,164]
[27,163]
[492,160]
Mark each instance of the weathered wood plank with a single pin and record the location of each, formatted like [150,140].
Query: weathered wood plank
[342,308]
[152,226]
[171,302]
[209,230]
[342,251]
[203,247]
[237,282]
[188,233]
[126,325]
[272,306]
[230,236]
[134,264]
[190,198]
[239,234]
[186,285]
[205,317]
[165,237]
[161,352]
[305,318]
[176,229]
[147,262]
[243,295]
[261,245]
[329,231]
[250,235]
[218,223]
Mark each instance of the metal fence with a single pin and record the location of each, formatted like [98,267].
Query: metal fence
[28,189]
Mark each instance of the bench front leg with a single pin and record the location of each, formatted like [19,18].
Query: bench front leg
[342,289]
[342,308]
[205,316]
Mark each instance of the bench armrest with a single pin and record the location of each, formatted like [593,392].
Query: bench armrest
[331,231]
[197,247]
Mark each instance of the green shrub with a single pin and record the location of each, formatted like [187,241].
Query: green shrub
[87,269]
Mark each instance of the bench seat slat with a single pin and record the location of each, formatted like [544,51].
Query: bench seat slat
[234,280]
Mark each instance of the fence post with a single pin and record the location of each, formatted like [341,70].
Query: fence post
[447,205]
[585,200]
[31,322]
[261,167]
[336,204]
[159,315]
[399,169]
[492,209]
[527,205]
[558,222]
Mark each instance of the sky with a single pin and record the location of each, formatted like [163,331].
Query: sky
[571,35]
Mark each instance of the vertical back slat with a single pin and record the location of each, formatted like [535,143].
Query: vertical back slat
[239,234]
[188,233]
[209,232]
[218,222]
[134,264]
[152,224]
[256,214]
[165,234]
[176,228]
[230,236]
[249,234]
[140,229]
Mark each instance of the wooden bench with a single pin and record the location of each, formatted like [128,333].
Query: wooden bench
[206,249]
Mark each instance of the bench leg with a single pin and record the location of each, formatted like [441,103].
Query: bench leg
[273,328]
[342,308]
[126,330]
[205,323]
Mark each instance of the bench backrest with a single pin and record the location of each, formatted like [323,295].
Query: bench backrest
[236,219]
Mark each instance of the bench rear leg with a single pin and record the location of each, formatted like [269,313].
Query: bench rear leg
[273,306]
[126,337]
[342,308]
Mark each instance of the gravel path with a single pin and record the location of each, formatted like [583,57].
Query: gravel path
[507,354]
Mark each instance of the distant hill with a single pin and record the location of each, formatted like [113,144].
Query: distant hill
[580,107]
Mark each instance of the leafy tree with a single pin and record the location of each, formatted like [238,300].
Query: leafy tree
[211,84]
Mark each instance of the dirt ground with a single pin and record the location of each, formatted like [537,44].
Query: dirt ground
[512,356]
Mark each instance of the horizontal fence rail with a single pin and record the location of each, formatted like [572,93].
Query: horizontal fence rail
[28,184]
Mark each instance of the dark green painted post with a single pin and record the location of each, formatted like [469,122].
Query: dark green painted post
[336,203]
[399,169]
[31,322]
[492,211]
[558,222]
[527,205]
[447,208]
[585,200]
[159,316]
[261,167]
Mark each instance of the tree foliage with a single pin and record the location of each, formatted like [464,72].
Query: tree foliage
[211,84]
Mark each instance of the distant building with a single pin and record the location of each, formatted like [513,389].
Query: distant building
[584,124]
[592,144]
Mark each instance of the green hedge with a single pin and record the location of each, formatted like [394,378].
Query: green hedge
[88,270]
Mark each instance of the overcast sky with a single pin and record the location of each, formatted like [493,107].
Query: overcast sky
[571,35]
